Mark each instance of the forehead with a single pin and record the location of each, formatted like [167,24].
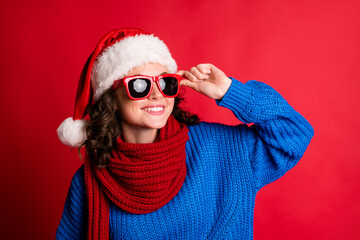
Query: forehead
[149,69]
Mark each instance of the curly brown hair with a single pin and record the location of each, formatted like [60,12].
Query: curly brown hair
[104,127]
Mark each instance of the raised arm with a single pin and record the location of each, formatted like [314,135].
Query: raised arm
[279,136]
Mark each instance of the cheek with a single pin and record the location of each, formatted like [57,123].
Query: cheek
[121,97]
[128,108]
[123,103]
[171,102]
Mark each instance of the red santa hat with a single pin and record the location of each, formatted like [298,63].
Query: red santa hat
[115,55]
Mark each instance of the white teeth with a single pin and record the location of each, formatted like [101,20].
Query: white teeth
[154,109]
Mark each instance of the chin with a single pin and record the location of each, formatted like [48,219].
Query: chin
[158,124]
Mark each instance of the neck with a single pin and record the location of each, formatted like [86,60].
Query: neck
[138,135]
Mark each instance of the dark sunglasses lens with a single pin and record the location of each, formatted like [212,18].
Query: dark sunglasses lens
[139,87]
[169,86]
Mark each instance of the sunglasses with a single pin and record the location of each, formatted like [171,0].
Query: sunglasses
[140,86]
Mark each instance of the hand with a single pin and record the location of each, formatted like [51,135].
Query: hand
[207,79]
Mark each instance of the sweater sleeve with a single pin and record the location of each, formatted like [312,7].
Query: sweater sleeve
[279,136]
[73,220]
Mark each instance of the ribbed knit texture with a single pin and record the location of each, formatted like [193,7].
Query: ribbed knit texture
[226,166]
[140,178]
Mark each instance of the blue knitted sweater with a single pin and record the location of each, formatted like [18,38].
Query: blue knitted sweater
[226,166]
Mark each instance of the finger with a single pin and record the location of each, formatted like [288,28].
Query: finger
[188,83]
[188,75]
[205,68]
[214,71]
[181,73]
[195,71]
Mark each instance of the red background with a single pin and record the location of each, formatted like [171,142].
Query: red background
[307,50]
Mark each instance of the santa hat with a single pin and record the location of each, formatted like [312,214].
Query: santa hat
[115,55]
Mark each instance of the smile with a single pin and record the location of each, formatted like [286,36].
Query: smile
[153,109]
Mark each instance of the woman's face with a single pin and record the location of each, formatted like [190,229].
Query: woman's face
[151,112]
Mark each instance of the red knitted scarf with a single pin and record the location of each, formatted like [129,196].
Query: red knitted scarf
[141,178]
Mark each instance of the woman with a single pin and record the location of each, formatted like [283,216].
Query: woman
[147,174]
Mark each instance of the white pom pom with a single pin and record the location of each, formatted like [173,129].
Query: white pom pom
[72,133]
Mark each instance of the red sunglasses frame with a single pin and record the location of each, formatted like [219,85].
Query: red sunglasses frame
[125,81]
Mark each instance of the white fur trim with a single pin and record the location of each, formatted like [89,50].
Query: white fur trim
[117,60]
[72,133]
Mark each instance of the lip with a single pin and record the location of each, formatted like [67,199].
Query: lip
[157,113]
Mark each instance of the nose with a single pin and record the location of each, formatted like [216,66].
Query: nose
[155,92]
